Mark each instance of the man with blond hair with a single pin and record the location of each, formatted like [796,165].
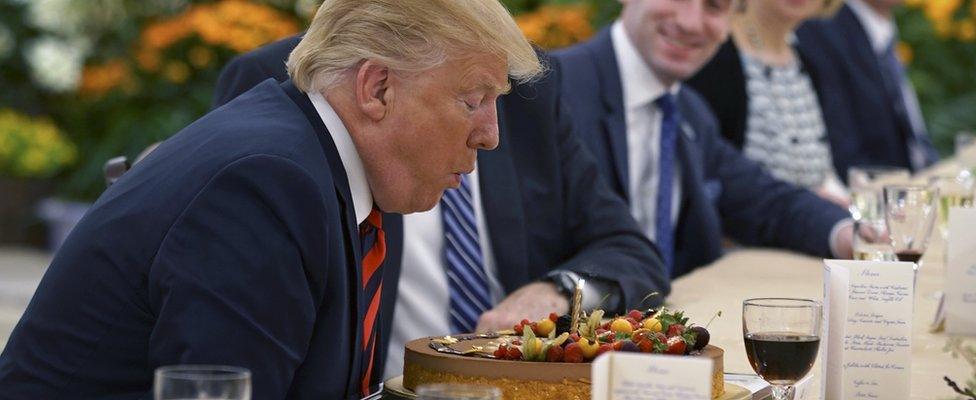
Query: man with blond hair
[253,238]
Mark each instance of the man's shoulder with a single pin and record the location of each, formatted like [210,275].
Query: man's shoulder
[269,58]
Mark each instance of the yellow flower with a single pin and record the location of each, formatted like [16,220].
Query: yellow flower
[200,57]
[556,25]
[914,3]
[966,30]
[32,147]
[905,53]
[941,10]
[176,71]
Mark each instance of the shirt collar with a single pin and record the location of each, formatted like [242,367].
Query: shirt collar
[880,29]
[362,197]
[640,85]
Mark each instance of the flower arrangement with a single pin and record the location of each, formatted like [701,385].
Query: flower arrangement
[32,147]
[557,25]
[939,47]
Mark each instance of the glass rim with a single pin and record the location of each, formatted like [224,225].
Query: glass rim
[878,168]
[909,187]
[203,372]
[799,302]
[489,390]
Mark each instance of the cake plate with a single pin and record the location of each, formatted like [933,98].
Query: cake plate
[393,389]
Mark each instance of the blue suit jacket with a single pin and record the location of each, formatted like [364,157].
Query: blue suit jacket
[721,189]
[546,205]
[235,242]
[838,48]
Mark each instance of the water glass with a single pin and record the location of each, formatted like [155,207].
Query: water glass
[455,391]
[910,213]
[782,336]
[954,191]
[199,382]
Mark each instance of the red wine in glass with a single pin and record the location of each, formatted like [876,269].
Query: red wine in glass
[781,358]
[909,255]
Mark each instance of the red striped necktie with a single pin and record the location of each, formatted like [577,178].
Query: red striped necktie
[374,250]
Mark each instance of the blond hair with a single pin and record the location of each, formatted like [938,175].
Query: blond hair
[407,36]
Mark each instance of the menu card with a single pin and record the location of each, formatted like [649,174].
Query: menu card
[635,376]
[960,288]
[868,307]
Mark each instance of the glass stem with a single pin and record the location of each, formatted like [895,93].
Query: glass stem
[783,392]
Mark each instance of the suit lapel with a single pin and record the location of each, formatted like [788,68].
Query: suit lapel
[351,238]
[614,120]
[504,215]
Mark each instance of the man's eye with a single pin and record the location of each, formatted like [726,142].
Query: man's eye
[470,107]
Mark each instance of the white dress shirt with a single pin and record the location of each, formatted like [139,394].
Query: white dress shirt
[640,89]
[423,300]
[362,197]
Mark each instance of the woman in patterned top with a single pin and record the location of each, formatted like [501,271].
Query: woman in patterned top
[766,101]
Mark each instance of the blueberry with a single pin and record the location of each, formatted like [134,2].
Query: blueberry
[563,324]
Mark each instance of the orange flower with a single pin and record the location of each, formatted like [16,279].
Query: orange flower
[238,25]
[556,25]
[940,11]
[97,80]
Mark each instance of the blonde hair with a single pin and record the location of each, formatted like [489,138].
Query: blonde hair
[407,36]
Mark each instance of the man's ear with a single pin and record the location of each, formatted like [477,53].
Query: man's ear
[373,89]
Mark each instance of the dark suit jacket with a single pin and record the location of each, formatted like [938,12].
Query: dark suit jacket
[721,189]
[545,203]
[722,83]
[235,242]
[840,48]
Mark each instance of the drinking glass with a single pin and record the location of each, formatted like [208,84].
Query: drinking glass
[210,382]
[455,391]
[910,213]
[965,150]
[782,336]
[954,191]
[867,209]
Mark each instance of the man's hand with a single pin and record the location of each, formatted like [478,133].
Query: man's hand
[533,302]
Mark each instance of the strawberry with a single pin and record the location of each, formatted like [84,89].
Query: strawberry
[676,330]
[645,346]
[525,322]
[573,353]
[502,352]
[574,337]
[514,353]
[604,348]
[636,315]
[555,354]
[518,329]
[676,345]
[618,345]
[553,317]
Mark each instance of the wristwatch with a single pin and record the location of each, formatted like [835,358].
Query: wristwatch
[565,282]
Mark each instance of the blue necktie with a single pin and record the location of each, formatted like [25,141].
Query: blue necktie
[466,279]
[663,229]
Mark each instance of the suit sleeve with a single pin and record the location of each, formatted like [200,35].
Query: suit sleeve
[609,243]
[759,210]
[230,285]
[238,76]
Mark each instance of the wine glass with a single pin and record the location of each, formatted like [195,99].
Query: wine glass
[456,391]
[782,336]
[216,382]
[910,213]
[867,209]
[954,191]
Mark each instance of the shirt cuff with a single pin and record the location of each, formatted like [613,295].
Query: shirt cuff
[835,232]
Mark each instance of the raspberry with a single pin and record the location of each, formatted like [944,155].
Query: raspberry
[553,317]
[514,353]
[636,315]
[555,354]
[573,353]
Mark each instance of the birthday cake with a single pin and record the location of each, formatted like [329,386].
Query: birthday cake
[550,359]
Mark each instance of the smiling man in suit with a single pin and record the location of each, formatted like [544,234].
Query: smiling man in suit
[253,237]
[539,216]
[658,143]
[857,49]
